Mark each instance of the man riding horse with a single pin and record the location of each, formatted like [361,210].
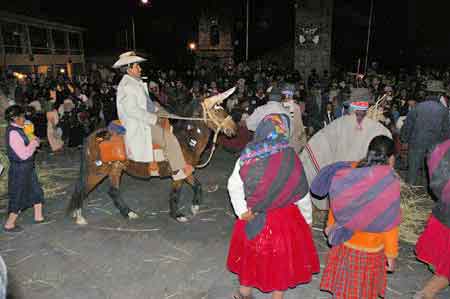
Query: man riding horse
[139,115]
[128,148]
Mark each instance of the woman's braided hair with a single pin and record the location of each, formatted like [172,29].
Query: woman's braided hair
[381,148]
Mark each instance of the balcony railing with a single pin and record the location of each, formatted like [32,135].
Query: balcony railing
[14,49]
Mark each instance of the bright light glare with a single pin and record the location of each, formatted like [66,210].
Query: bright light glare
[62,71]
[192,46]
[144,1]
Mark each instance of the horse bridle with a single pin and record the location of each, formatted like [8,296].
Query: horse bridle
[208,116]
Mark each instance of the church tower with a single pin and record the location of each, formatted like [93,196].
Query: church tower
[313,27]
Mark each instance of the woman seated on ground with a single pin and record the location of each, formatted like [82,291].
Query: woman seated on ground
[271,247]
[363,222]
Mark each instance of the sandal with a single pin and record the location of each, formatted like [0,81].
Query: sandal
[13,230]
[43,221]
[240,296]
[419,295]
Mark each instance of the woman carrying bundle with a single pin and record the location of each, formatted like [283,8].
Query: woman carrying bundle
[433,246]
[271,247]
[362,223]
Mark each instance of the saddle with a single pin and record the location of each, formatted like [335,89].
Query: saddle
[112,148]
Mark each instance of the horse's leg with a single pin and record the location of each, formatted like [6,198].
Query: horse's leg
[173,202]
[91,182]
[198,193]
[114,191]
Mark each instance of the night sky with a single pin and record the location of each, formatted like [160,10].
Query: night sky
[405,32]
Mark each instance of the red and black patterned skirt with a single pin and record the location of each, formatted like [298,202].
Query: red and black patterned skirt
[433,247]
[354,274]
[281,256]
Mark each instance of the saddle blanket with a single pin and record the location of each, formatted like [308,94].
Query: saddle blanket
[112,148]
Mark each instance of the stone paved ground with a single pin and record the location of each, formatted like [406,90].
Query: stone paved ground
[152,257]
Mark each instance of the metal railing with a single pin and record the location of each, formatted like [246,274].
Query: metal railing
[14,49]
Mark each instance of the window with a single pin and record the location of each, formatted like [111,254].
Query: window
[74,41]
[38,39]
[13,34]
[59,40]
[214,35]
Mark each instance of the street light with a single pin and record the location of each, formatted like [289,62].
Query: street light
[143,2]
[192,46]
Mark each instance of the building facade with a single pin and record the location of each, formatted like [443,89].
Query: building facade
[313,35]
[31,45]
[215,37]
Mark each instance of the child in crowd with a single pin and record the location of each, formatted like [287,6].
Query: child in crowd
[363,222]
[433,246]
[24,190]
[271,247]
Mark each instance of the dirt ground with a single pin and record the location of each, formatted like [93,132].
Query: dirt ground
[152,257]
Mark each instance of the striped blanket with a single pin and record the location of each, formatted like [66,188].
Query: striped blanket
[362,199]
[439,171]
[270,183]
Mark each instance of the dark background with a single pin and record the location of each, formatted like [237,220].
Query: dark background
[404,32]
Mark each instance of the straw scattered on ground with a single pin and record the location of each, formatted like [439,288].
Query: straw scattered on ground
[416,206]
[54,180]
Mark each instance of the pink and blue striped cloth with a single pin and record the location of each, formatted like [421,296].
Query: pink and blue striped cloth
[362,199]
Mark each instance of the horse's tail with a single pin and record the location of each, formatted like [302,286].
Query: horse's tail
[79,194]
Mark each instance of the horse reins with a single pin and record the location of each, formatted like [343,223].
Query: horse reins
[207,116]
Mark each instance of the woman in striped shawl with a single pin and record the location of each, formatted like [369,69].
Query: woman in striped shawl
[363,222]
[271,247]
[433,246]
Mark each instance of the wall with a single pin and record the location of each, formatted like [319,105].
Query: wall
[313,36]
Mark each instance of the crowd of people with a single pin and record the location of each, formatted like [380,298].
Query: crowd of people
[306,130]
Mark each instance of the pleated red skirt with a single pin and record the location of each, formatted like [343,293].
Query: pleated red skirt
[281,256]
[433,247]
[354,274]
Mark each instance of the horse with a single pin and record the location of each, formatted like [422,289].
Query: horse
[193,134]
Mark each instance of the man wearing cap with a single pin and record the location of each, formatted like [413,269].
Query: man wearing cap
[138,114]
[297,137]
[425,126]
[345,139]
[273,106]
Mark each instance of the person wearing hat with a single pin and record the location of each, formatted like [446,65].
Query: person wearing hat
[345,139]
[297,138]
[24,190]
[273,106]
[139,115]
[425,126]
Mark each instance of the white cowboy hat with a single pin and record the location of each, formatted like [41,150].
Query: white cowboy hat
[128,58]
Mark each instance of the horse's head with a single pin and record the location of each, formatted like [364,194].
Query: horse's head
[216,117]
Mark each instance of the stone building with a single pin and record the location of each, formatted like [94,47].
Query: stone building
[313,27]
[215,40]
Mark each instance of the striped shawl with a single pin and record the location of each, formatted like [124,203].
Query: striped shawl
[362,199]
[439,171]
[270,183]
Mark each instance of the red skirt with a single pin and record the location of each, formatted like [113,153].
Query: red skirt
[354,274]
[281,256]
[433,247]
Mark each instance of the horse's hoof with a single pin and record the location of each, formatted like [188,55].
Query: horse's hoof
[182,219]
[195,209]
[132,215]
[80,220]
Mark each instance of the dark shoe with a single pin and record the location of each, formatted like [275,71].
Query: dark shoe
[43,221]
[16,229]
